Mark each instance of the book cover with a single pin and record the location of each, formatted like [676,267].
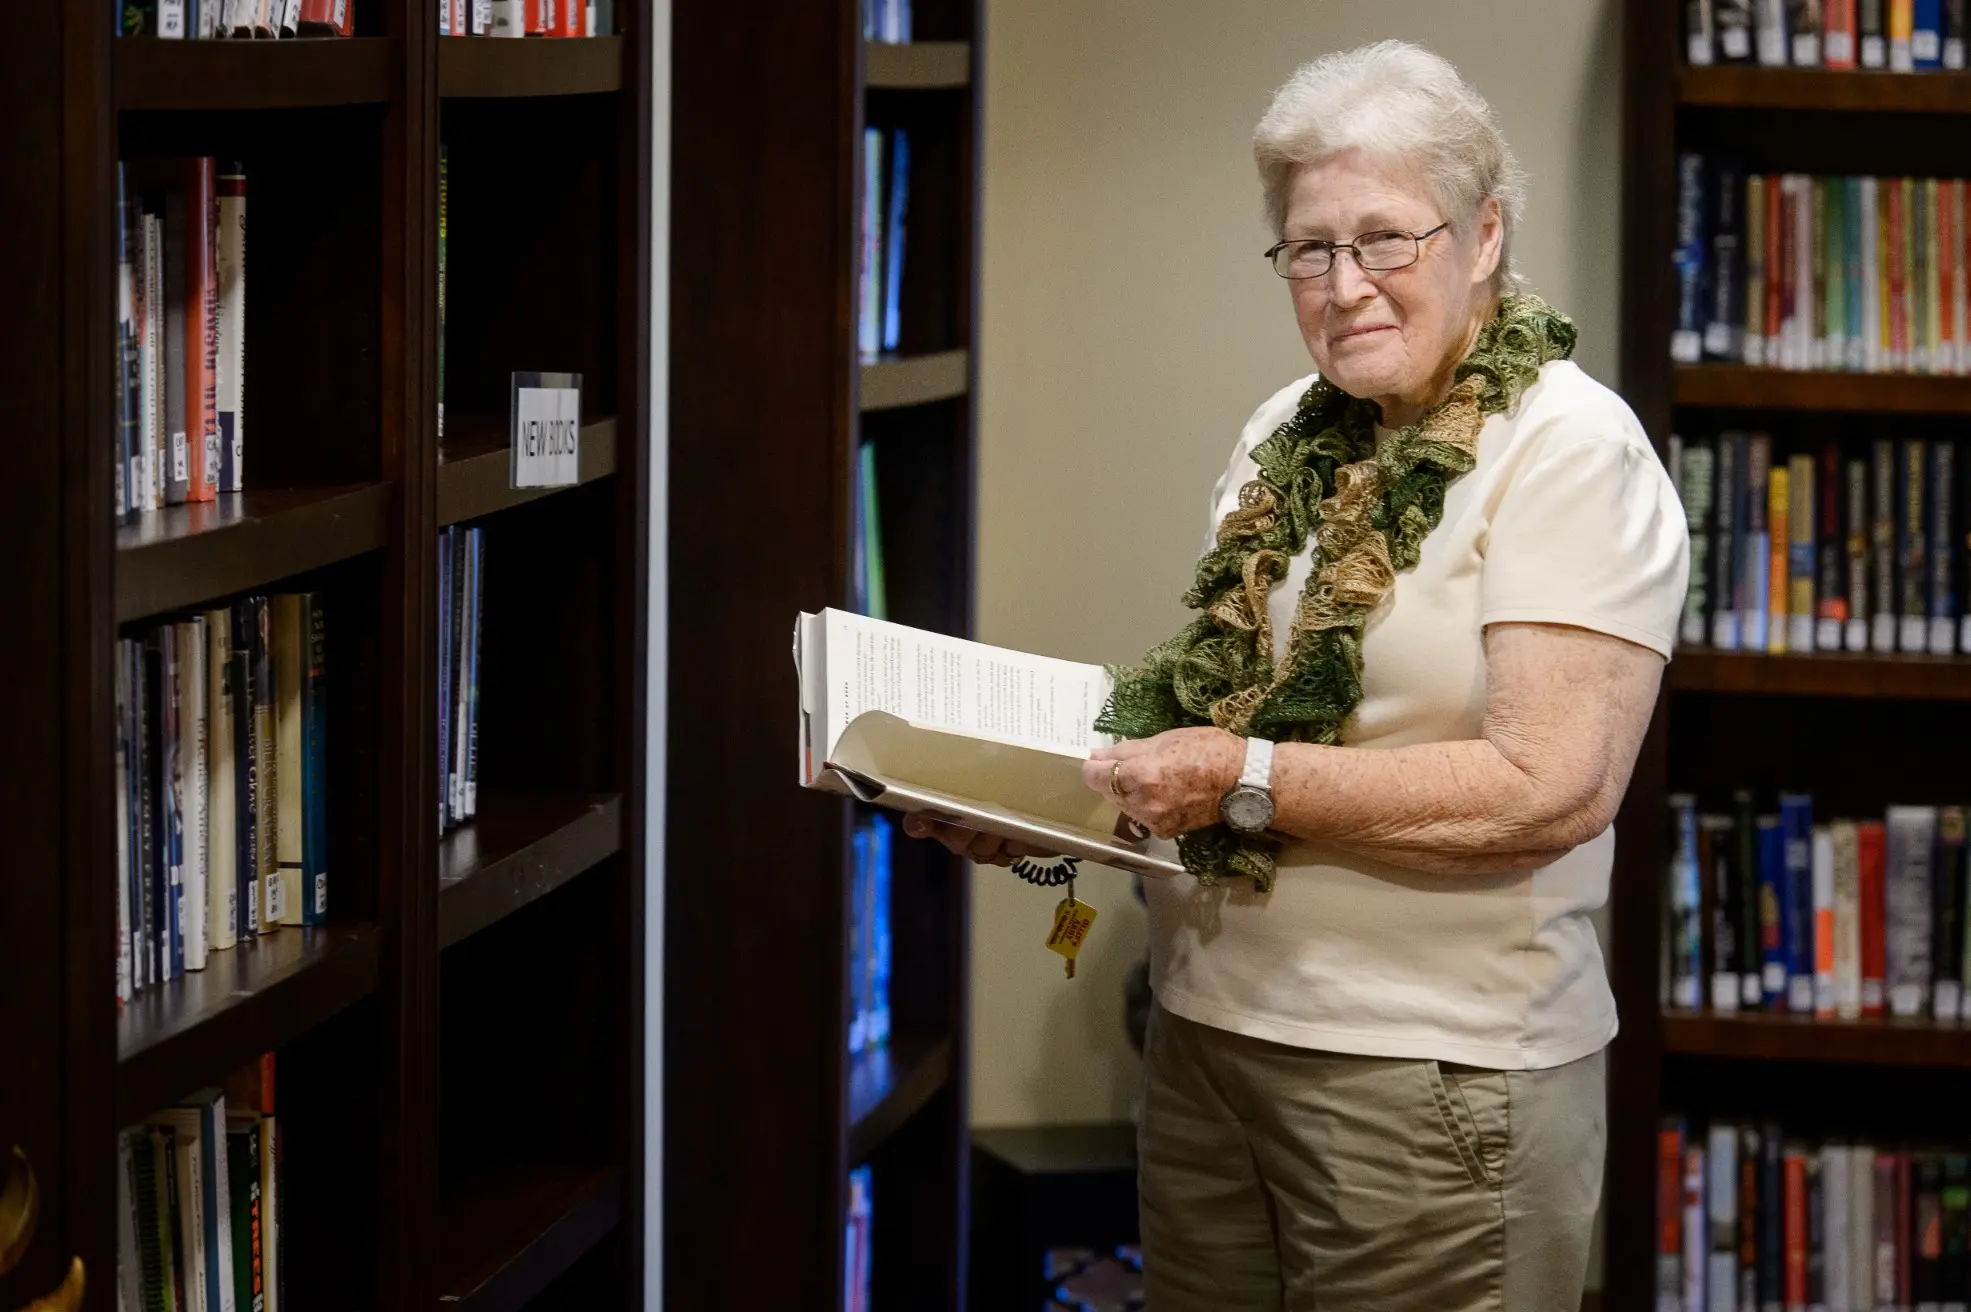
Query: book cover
[246,768]
[1823,889]
[1830,547]
[222,824]
[1756,559]
[1883,545]
[1724,540]
[266,764]
[1839,45]
[1846,930]
[899,211]
[1747,902]
[1779,517]
[1697,469]
[289,643]
[192,779]
[230,358]
[1940,553]
[1796,819]
[1774,900]
[1855,631]
[1947,915]
[1872,860]
[1907,897]
[1754,344]
[1912,516]
[1801,606]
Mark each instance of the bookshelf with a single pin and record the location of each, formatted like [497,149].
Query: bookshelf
[766,1111]
[459,1049]
[1858,731]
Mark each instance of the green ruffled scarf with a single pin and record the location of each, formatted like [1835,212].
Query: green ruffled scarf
[1368,511]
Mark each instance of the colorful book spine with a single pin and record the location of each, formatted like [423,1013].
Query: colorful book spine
[1855,634]
[1753,346]
[1902,23]
[1822,861]
[230,353]
[1830,548]
[1796,819]
[1779,489]
[1926,37]
[1687,336]
[1774,900]
[1802,503]
[1872,860]
[1756,558]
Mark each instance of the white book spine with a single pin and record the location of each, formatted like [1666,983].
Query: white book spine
[1912,831]
[508,18]
[1823,876]
[192,754]
[1696,1246]
[191,1205]
[231,381]
[171,19]
[222,851]
[1834,1225]
[219,1191]
[1861,1228]
[1721,1210]
[1847,920]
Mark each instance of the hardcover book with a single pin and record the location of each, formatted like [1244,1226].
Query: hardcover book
[1912,834]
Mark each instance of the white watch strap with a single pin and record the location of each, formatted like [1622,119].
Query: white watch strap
[1259,764]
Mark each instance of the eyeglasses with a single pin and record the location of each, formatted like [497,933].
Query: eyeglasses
[1375,252]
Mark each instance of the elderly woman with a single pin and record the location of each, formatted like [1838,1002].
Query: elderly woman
[1431,620]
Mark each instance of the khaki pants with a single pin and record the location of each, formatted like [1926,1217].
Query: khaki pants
[1280,1179]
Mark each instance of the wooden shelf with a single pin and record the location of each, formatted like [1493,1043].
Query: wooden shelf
[473,465]
[1738,387]
[893,382]
[300,74]
[1760,1036]
[482,66]
[516,850]
[919,66]
[1747,86]
[1823,674]
[889,1086]
[179,1036]
[505,1235]
[183,555]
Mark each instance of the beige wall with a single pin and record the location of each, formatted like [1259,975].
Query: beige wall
[1130,329]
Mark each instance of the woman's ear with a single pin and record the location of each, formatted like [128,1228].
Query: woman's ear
[1491,240]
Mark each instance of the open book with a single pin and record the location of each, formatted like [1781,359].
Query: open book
[983,737]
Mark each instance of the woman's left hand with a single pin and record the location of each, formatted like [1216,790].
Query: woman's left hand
[1172,783]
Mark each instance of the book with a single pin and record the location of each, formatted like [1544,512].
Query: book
[1823,922]
[1772,1233]
[246,767]
[1794,1203]
[1912,517]
[1926,39]
[266,764]
[1803,28]
[1756,559]
[1796,819]
[1833,1179]
[1732,21]
[1883,548]
[1947,915]
[243,1182]
[1846,927]
[1800,565]
[1747,902]
[1716,848]
[150,459]
[898,214]
[1770,32]
[171,799]
[1687,969]
[869,319]
[201,329]
[1861,1228]
[1695,473]
[444,191]
[1954,1209]
[222,822]
[1907,898]
[1839,41]
[179,417]
[189,669]
[188,1206]
[1753,346]
[129,346]
[1855,631]
[1955,31]
[1774,899]
[1699,38]
[215,1198]
[1779,516]
[996,741]
[1927,1231]
[1886,1207]
[446,564]
[1727,528]
[1695,1240]
[475,541]
[1902,21]
[1872,33]
[126,984]
[455,690]
[289,655]
[229,386]
[1721,1215]
[1751,1216]
[1939,553]
[1830,547]
[324,18]
[1872,861]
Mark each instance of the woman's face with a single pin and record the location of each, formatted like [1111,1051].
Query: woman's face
[1390,334]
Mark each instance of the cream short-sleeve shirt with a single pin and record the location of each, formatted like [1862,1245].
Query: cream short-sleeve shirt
[1567,518]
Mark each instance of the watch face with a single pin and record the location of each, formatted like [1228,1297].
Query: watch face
[1247,809]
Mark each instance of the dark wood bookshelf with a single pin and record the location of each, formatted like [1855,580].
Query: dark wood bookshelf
[897,381]
[190,1032]
[888,1086]
[1732,386]
[1748,86]
[251,75]
[918,66]
[204,551]
[1759,1036]
[812,1110]
[1875,729]
[1904,676]
[403,1068]
[516,850]
[481,66]
[505,1236]
[474,467]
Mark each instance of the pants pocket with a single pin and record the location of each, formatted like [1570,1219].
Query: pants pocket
[1462,1128]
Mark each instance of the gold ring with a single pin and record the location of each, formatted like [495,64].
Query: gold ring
[1115,778]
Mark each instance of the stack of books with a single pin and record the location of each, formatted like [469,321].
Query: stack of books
[461,585]
[1902,35]
[869,935]
[221,783]
[856,1277]
[1769,910]
[1814,550]
[198,1219]
[1792,271]
[1752,1217]
[181,332]
[885,208]
[180,20]
[526,17]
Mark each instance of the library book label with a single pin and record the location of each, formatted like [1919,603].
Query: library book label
[547,430]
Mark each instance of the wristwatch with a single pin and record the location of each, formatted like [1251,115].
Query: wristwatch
[1248,806]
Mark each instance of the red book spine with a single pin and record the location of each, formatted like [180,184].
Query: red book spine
[1669,1190]
[540,13]
[1796,1228]
[563,20]
[1838,49]
[1776,268]
[1871,842]
[326,16]
[201,328]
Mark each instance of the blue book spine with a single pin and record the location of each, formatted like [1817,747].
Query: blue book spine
[1851,270]
[130,372]
[1773,901]
[444,675]
[212,1186]
[903,19]
[475,543]
[899,210]
[1796,822]
[869,315]
[130,653]
[1926,34]
[174,837]
[1687,335]
[314,768]
[859,931]
[879,992]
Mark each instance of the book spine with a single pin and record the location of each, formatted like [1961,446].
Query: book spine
[129,345]
[1772,1234]
[230,381]
[1840,43]
[444,224]
[1803,30]
[179,404]
[1697,471]
[1732,20]
[1751,1205]
[1830,248]
[1754,344]
[1816,319]
[1795,1205]
[1927,1233]
[266,763]
[1700,40]
[125,948]
[1947,915]
[1757,556]
[1805,289]
[170,787]
[1954,12]
[1869,240]
[869,317]
[155,439]
[1861,1228]
[1871,840]
[1902,22]
[1926,38]
[1801,606]
[201,329]
[455,778]
[1771,32]
[1796,818]
[1846,928]
[1940,555]
[1715,843]
[193,775]
[222,845]
[218,1206]
[1883,547]
[1872,33]
[1724,555]
[243,1169]
[1687,958]
[475,539]
[1724,244]
[1944,258]
[446,565]
[1748,903]
[1694,1238]
[1779,517]
[1895,274]
[246,770]
[1853,274]
[1830,546]
[1721,1216]
[1911,835]
[289,656]
[1884,1211]
[1816,1234]
[314,717]
[1773,913]
[1911,521]
[1855,635]
[1823,893]
[152,879]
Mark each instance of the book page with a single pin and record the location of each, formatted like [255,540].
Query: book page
[963,687]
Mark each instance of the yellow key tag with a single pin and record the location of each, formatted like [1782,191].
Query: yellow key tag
[1072,921]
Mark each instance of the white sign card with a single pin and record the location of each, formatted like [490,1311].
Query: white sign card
[546,441]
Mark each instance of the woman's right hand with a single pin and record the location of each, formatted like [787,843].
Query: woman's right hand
[986,849]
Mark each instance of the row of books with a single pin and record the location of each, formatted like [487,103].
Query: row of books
[183,20]
[885,207]
[1902,35]
[869,934]
[526,17]
[221,787]
[1796,271]
[1750,1217]
[1814,550]
[856,1268]
[461,588]
[181,332]
[198,1205]
[1843,919]
[886,20]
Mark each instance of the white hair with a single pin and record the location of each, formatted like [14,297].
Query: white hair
[1403,106]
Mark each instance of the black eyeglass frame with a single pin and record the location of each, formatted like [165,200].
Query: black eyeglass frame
[1335,248]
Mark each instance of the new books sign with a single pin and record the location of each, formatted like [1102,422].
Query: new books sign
[546,430]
